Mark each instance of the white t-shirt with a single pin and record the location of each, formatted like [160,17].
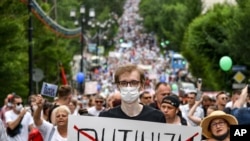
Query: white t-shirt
[46,130]
[26,122]
[93,111]
[230,104]
[198,113]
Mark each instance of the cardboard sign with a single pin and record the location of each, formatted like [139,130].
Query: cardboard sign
[49,89]
[91,87]
[88,128]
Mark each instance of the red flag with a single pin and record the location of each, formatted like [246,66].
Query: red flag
[63,76]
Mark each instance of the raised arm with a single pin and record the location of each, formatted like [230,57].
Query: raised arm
[191,116]
[37,113]
[242,99]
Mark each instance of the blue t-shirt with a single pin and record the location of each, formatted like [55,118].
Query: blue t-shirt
[242,115]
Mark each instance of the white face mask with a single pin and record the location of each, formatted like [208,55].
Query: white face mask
[34,107]
[19,107]
[9,104]
[85,101]
[129,94]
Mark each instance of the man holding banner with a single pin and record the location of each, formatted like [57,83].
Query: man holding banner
[130,121]
[130,81]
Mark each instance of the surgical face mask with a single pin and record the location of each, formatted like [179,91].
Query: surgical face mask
[9,104]
[129,94]
[19,107]
[85,101]
[79,97]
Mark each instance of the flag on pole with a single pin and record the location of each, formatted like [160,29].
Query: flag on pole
[63,76]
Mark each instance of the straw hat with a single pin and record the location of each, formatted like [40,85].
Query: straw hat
[216,114]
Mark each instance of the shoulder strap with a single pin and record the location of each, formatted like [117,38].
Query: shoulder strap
[51,133]
[183,121]
[21,119]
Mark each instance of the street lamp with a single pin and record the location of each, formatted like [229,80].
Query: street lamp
[101,34]
[83,19]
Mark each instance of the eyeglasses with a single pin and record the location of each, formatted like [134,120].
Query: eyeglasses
[190,97]
[98,101]
[19,103]
[221,123]
[132,83]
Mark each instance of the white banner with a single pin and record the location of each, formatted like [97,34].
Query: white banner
[90,128]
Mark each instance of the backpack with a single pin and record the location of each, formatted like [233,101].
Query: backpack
[35,135]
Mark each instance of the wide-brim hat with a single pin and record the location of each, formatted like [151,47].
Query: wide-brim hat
[205,123]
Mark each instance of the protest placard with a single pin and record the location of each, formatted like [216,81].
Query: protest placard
[87,128]
[91,87]
[49,89]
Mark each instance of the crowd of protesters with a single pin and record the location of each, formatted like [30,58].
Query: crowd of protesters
[126,91]
[50,118]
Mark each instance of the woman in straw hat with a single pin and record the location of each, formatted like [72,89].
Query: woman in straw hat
[216,126]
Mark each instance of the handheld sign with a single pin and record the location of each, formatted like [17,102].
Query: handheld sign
[91,87]
[90,128]
[49,89]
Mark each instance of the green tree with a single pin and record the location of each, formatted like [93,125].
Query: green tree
[13,50]
[169,19]
[206,41]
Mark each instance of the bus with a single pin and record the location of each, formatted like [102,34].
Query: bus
[178,62]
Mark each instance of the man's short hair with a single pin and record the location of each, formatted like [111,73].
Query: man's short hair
[64,90]
[99,97]
[161,83]
[206,98]
[16,97]
[128,68]
[144,92]
[220,93]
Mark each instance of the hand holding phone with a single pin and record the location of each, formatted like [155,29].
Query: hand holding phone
[198,96]
[199,83]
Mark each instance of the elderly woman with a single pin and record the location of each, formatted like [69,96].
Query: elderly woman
[48,130]
[216,126]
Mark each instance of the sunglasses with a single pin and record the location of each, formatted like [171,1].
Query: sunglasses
[98,101]
[190,97]
[19,103]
